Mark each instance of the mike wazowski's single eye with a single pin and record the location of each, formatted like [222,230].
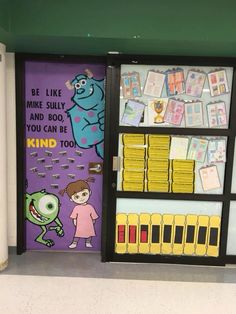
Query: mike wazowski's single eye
[48,204]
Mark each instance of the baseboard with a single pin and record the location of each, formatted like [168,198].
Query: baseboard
[12,249]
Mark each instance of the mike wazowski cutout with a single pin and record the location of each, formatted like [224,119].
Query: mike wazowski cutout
[42,209]
[87,114]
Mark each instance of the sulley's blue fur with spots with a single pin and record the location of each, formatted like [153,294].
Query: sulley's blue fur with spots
[87,114]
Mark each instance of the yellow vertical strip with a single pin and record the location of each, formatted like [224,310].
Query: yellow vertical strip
[179,234]
[202,235]
[190,234]
[214,236]
[144,233]
[156,234]
[133,233]
[167,234]
[121,233]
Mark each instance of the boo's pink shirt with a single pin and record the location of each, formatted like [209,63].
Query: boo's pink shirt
[84,215]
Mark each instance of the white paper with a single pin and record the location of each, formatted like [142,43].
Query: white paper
[154,84]
[179,147]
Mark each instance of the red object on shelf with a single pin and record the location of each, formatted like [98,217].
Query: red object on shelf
[144,236]
[132,234]
[121,234]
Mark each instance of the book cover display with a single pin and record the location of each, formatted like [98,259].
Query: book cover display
[187,96]
[177,97]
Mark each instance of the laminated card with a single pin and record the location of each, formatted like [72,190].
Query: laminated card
[209,178]
[154,83]
[218,83]
[174,111]
[193,114]
[216,151]
[179,147]
[195,83]
[130,83]
[197,149]
[133,113]
[217,114]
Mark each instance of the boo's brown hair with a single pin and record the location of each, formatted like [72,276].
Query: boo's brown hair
[77,186]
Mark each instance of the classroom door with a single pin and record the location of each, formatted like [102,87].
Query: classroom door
[64,124]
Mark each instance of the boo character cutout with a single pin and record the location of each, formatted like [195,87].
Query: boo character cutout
[83,214]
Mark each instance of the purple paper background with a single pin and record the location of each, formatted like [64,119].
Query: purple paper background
[46,75]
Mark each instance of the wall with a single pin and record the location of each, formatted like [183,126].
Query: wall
[95,27]
[4,21]
[4,15]
[11,148]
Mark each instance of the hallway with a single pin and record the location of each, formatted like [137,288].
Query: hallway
[39,282]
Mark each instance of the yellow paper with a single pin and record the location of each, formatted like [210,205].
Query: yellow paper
[179,234]
[161,186]
[156,233]
[157,175]
[133,186]
[134,152]
[133,176]
[144,233]
[167,234]
[133,139]
[190,234]
[202,235]
[133,228]
[182,188]
[160,141]
[214,236]
[158,164]
[134,163]
[183,165]
[155,152]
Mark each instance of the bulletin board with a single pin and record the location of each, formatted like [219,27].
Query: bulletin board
[169,150]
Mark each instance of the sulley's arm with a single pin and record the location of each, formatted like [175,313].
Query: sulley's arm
[87,126]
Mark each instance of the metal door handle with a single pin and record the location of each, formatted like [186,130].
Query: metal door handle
[97,168]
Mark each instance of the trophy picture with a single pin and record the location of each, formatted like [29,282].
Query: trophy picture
[158,106]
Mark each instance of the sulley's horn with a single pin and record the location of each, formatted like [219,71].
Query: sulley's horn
[69,85]
[88,73]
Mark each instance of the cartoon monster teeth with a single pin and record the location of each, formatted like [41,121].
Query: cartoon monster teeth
[42,209]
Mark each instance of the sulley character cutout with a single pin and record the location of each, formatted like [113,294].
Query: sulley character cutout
[87,114]
[42,209]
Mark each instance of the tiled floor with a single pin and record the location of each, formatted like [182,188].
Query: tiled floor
[38,282]
[89,265]
[60,295]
